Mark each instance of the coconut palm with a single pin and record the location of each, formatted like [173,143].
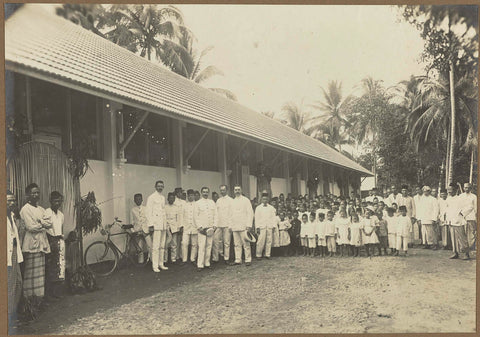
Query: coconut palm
[183,59]
[332,112]
[89,16]
[295,116]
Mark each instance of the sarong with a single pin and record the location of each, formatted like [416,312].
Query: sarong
[14,285]
[459,239]
[34,280]
[430,234]
[55,261]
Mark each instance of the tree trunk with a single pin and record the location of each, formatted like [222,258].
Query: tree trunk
[471,168]
[447,160]
[452,123]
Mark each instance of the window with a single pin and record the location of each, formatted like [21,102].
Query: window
[87,124]
[151,144]
[205,157]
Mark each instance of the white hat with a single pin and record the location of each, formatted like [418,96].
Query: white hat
[250,237]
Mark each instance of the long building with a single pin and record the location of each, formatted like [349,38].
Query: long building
[140,122]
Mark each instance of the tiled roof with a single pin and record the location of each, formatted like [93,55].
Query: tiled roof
[40,43]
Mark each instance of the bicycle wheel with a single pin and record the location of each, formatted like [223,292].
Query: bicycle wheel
[100,258]
[138,251]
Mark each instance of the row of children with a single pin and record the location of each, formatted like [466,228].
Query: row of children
[323,231]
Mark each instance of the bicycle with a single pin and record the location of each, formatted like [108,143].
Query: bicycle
[103,257]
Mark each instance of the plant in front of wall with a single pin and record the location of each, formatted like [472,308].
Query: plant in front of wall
[89,216]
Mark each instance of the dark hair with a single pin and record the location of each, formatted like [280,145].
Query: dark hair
[223,185]
[190,192]
[170,194]
[304,215]
[178,189]
[56,195]
[205,187]
[314,214]
[138,195]
[330,212]
[405,186]
[265,195]
[443,190]
[196,192]
[159,182]
[391,209]
[30,187]
[321,214]
[402,208]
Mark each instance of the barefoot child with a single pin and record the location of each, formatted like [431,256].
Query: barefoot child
[341,227]
[370,238]
[404,230]
[283,227]
[311,234]
[392,229]
[355,234]
[330,234]
[320,233]
[382,233]
[304,234]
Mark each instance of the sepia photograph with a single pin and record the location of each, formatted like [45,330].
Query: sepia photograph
[240,169]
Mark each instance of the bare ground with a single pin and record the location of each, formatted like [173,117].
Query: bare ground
[424,292]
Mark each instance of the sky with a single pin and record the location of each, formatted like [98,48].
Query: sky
[273,54]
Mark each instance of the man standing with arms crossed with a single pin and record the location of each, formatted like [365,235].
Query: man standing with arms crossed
[205,216]
[155,212]
[222,236]
[242,218]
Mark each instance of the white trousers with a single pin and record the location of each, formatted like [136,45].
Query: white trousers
[239,243]
[204,250]
[221,243]
[158,247]
[264,242]
[402,243]
[189,239]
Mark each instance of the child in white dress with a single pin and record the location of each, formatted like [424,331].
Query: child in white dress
[370,237]
[311,234]
[355,234]
[330,234]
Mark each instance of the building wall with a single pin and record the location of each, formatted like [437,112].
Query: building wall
[253,187]
[94,180]
[197,179]
[303,187]
[141,179]
[278,185]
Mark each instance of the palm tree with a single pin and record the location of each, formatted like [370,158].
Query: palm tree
[430,117]
[89,16]
[184,60]
[295,116]
[332,112]
[145,28]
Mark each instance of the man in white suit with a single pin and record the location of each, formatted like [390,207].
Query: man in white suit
[205,216]
[222,236]
[242,219]
[155,211]
[265,220]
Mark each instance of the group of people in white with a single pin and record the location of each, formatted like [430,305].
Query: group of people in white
[200,229]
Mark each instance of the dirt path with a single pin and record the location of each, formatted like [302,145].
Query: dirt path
[425,292]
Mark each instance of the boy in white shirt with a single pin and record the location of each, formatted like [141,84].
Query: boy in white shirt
[330,234]
[320,233]
[174,220]
[311,234]
[139,221]
[304,234]
[55,261]
[404,230]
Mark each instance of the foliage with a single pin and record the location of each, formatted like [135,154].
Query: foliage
[332,119]
[295,116]
[89,216]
